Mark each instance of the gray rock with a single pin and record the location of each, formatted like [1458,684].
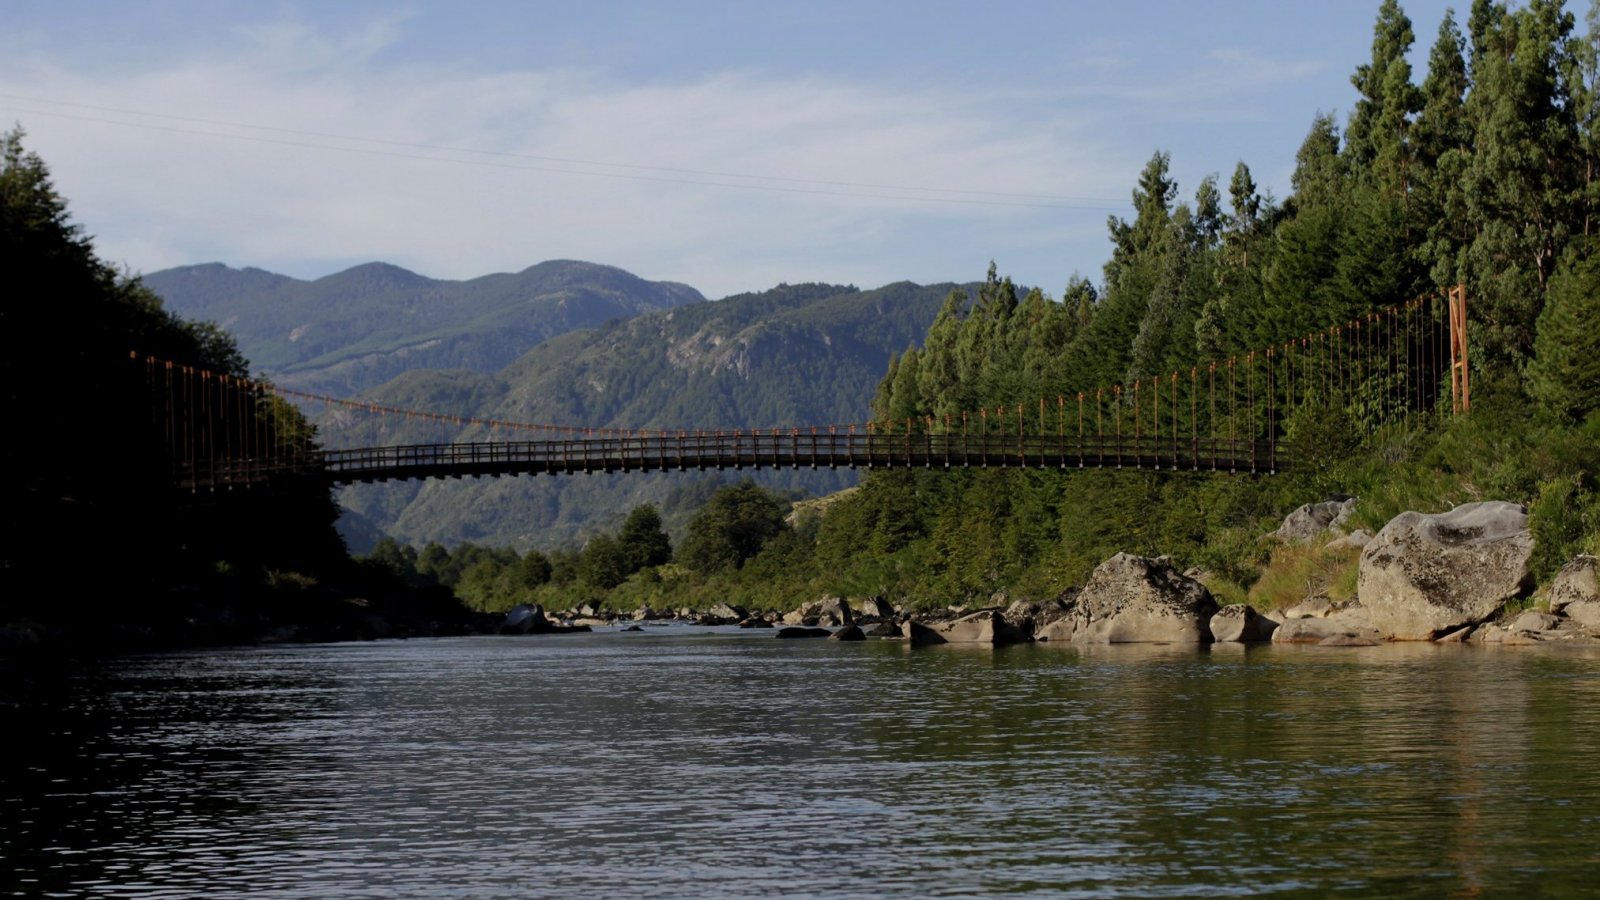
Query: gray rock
[919,634]
[524,619]
[1583,612]
[1061,630]
[875,607]
[1424,575]
[1577,580]
[1355,540]
[1349,624]
[1313,519]
[1310,608]
[1239,623]
[986,627]
[884,630]
[1133,599]
[1460,635]
[795,632]
[755,622]
[644,614]
[1533,620]
[848,633]
[730,612]
[824,611]
[1347,640]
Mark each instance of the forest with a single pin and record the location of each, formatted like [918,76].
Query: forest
[1482,174]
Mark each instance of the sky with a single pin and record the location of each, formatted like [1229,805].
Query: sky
[730,146]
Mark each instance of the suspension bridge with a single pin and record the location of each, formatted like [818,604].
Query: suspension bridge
[1230,415]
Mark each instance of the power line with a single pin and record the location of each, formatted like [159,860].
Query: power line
[854,189]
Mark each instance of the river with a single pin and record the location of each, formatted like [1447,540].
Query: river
[702,762]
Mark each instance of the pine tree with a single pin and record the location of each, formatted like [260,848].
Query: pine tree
[1564,375]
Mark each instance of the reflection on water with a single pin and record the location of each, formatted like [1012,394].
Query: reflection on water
[687,762]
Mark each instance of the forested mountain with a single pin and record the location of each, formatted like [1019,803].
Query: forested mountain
[796,354]
[363,326]
[1482,175]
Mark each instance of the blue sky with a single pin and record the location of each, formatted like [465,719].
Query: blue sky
[727,145]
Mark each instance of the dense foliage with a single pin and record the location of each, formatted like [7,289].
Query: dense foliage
[796,354]
[99,470]
[1484,174]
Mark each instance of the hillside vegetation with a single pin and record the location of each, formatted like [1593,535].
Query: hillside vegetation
[808,353]
[1486,173]
[363,326]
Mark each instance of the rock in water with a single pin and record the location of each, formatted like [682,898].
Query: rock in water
[919,634]
[729,611]
[797,632]
[1424,575]
[1133,599]
[1240,623]
[986,627]
[848,633]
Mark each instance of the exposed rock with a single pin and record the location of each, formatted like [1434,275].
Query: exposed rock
[525,619]
[1349,624]
[755,622]
[1313,519]
[875,607]
[1423,575]
[589,609]
[919,634]
[633,628]
[795,632]
[1533,620]
[730,612]
[848,633]
[1060,631]
[1239,623]
[1355,540]
[1578,580]
[1347,640]
[644,614]
[885,630]
[986,627]
[1460,635]
[1310,608]
[1583,612]
[1024,614]
[825,611]
[1131,599]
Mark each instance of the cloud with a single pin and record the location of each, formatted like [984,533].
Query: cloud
[344,153]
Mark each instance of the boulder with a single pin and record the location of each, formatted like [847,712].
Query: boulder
[919,634]
[794,632]
[1132,599]
[755,622]
[1577,581]
[1355,540]
[825,611]
[848,633]
[1337,630]
[986,627]
[1424,575]
[730,612]
[884,630]
[875,607]
[1583,612]
[1239,623]
[1313,519]
[644,614]
[1310,608]
[525,619]
[1533,620]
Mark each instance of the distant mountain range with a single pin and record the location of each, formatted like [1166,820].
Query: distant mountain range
[562,342]
[360,327]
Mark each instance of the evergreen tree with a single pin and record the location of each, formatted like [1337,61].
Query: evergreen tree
[643,540]
[1565,373]
[731,528]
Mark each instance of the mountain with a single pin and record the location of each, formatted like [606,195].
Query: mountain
[363,326]
[794,355]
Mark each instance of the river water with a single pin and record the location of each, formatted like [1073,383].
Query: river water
[695,762]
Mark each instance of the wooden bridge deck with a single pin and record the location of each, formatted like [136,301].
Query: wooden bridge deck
[745,451]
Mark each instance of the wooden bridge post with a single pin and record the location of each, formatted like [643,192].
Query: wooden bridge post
[1460,380]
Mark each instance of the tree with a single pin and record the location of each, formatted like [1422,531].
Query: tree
[731,528]
[603,564]
[534,569]
[1565,373]
[643,541]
